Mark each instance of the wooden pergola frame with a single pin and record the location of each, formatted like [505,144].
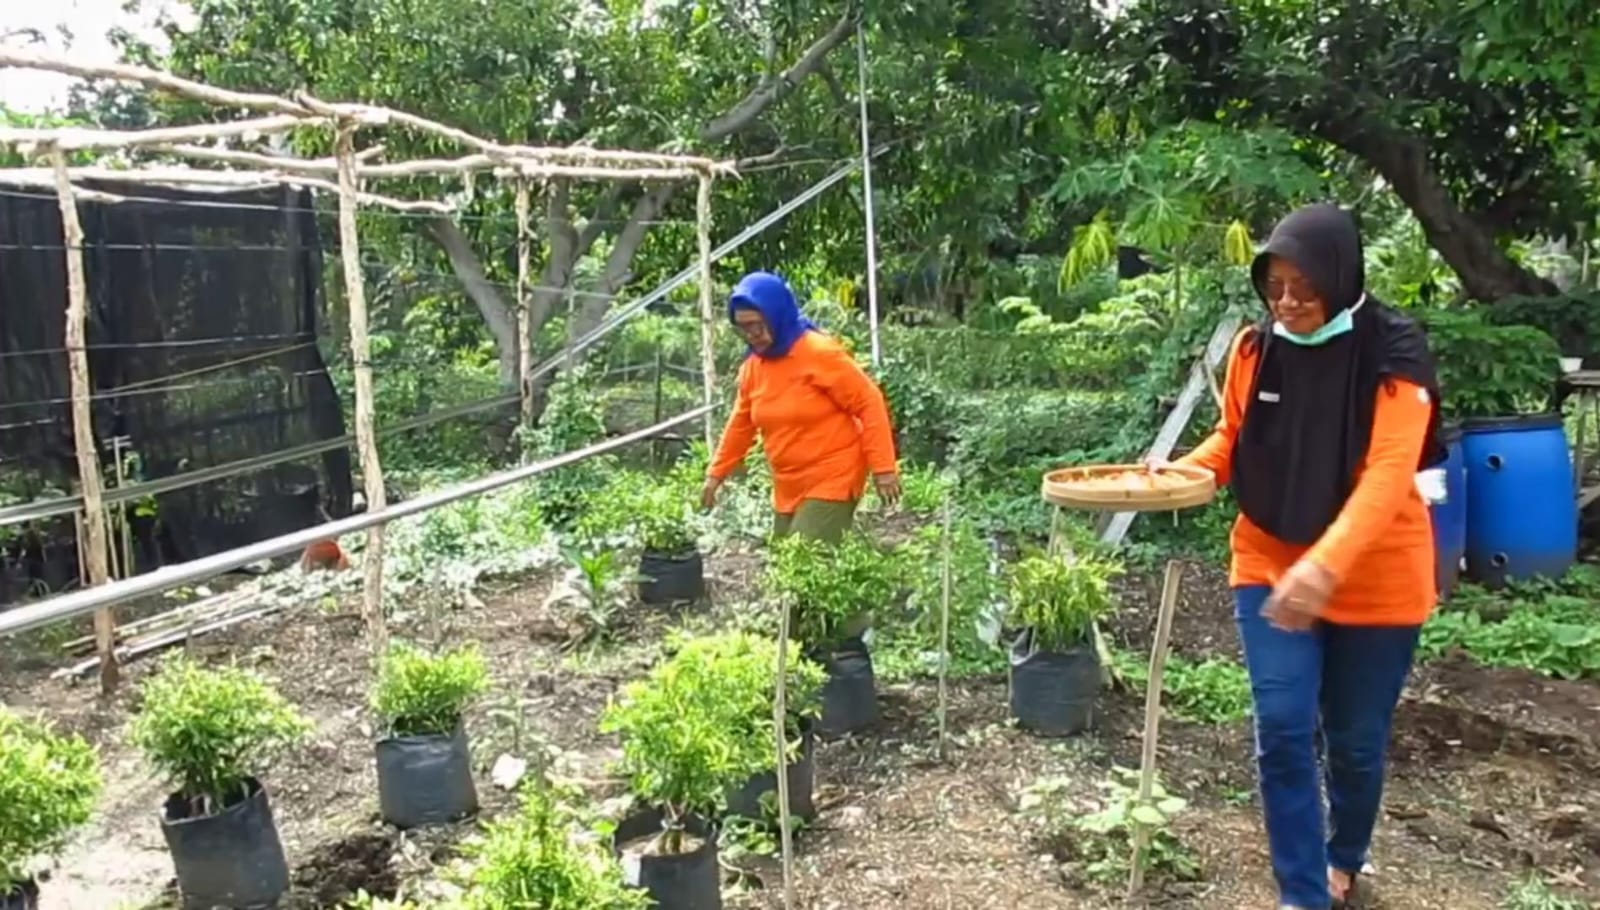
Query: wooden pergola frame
[234,168]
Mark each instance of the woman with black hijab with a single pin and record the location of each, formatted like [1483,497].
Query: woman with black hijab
[1331,408]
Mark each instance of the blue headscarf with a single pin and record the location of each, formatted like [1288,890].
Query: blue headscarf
[770,296]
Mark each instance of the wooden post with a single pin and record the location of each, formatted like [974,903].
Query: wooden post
[93,552]
[708,338]
[361,360]
[944,623]
[524,310]
[780,717]
[1152,715]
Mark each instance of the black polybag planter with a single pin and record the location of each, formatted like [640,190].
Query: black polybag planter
[745,801]
[1053,693]
[24,896]
[686,881]
[231,859]
[850,696]
[666,578]
[425,780]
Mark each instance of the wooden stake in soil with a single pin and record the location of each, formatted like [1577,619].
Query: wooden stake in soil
[944,623]
[1152,715]
[524,312]
[780,717]
[361,358]
[93,553]
[708,338]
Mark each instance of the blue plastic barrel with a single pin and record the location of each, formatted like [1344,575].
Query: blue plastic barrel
[1522,504]
[1450,516]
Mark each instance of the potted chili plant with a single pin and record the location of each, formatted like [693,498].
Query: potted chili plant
[48,785]
[424,758]
[671,568]
[531,859]
[833,590]
[208,731]
[685,740]
[741,669]
[1055,669]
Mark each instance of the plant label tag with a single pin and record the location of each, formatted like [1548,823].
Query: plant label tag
[1269,397]
[631,864]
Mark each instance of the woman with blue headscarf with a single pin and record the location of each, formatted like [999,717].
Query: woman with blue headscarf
[823,422]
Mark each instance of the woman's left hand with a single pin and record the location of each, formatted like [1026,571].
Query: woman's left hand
[1299,596]
[888,487]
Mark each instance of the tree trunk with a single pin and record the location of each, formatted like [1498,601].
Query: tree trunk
[1467,244]
[497,312]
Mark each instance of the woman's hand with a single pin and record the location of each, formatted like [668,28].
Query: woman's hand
[888,487]
[1300,596]
[708,493]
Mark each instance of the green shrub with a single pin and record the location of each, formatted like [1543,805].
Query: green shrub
[1060,599]
[208,730]
[908,643]
[644,511]
[830,585]
[1490,370]
[532,861]
[701,721]
[421,694]
[1007,440]
[48,786]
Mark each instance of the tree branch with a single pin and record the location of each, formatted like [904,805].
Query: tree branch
[497,312]
[751,106]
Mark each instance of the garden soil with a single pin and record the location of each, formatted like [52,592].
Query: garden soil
[1495,773]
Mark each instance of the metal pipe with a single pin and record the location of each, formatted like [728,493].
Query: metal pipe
[78,603]
[866,198]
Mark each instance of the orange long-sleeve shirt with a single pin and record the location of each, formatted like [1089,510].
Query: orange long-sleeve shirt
[1380,547]
[823,422]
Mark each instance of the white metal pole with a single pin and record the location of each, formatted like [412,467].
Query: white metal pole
[866,189]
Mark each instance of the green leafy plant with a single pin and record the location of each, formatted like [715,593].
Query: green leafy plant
[830,586]
[208,730]
[595,588]
[1213,691]
[1060,599]
[48,786]
[645,511]
[1534,893]
[1573,320]
[701,722]
[1099,837]
[906,642]
[1557,635]
[423,694]
[1488,370]
[533,860]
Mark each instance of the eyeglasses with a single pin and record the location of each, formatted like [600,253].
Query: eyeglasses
[1300,289]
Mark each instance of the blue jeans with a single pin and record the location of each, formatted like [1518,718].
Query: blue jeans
[1330,691]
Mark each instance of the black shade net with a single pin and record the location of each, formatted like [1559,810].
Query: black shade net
[202,351]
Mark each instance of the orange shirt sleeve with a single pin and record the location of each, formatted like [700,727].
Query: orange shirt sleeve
[1387,478]
[1215,454]
[740,433]
[838,375]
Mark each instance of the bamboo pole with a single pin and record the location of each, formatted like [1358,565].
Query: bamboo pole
[1152,716]
[945,582]
[217,181]
[506,164]
[524,307]
[708,338]
[780,718]
[361,358]
[93,553]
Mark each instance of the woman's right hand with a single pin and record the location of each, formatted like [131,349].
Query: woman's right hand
[708,493]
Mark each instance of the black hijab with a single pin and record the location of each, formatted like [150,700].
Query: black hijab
[1308,421]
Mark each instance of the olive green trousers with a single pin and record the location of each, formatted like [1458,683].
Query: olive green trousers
[817,518]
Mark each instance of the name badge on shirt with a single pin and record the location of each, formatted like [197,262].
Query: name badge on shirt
[1269,397]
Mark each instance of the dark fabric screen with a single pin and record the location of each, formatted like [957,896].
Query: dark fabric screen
[204,312]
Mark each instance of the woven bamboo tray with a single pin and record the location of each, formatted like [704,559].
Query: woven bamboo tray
[1181,487]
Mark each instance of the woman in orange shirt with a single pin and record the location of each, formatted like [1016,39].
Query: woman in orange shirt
[823,422]
[1331,407]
